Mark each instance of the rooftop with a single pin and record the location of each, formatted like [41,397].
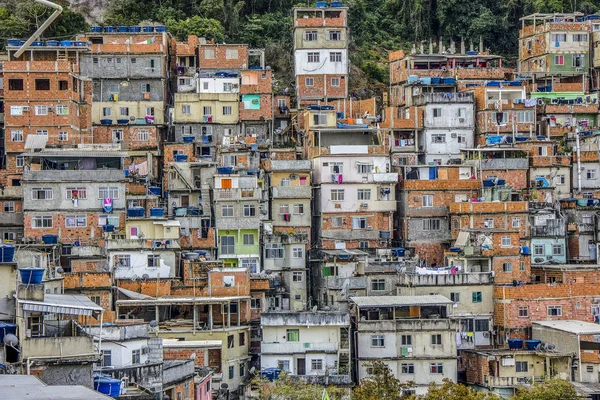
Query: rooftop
[18,387]
[571,326]
[287,318]
[399,301]
[62,304]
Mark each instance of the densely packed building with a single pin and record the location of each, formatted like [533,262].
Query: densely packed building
[172,225]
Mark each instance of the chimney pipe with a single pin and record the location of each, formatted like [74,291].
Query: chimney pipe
[481,44]
[471,44]
[441,46]
[430,46]
[452,46]
[462,45]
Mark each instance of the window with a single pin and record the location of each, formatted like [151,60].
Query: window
[587,219]
[580,37]
[427,200]
[506,241]
[438,138]
[227,211]
[378,284]
[436,368]
[63,85]
[557,250]
[123,260]
[560,180]
[336,167]
[408,368]
[337,195]
[363,244]
[242,367]
[16,135]
[248,239]
[309,81]
[284,209]
[63,136]
[230,342]
[335,35]
[437,112]
[209,54]
[432,224]
[313,57]
[106,111]
[207,110]
[516,222]
[377,341]
[436,340]
[15,84]
[145,87]
[274,250]
[316,365]
[153,260]
[558,37]
[507,267]
[523,311]
[20,161]
[136,356]
[525,116]
[335,56]
[231,54]
[43,132]
[501,118]
[283,365]
[62,109]
[105,219]
[406,340]
[335,82]
[186,109]
[310,36]
[16,110]
[255,304]
[108,192]
[292,335]
[227,87]
[538,250]
[285,182]
[41,222]
[106,358]
[249,210]
[41,194]
[41,110]
[578,60]
[589,368]
[477,297]
[9,206]
[297,276]
[228,244]
[364,194]
[590,173]
[227,110]
[455,297]
[461,139]
[364,168]
[298,209]
[42,84]
[297,252]
[75,221]
[359,222]
[559,60]
[231,372]
[521,366]
[488,223]
[114,88]
[554,311]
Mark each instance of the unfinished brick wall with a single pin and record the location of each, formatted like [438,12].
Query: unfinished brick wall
[321,87]
[264,113]
[185,354]
[513,269]
[515,178]
[256,81]
[220,60]
[149,288]
[477,366]
[169,150]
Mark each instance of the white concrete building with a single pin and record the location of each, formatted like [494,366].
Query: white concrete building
[307,344]
[413,335]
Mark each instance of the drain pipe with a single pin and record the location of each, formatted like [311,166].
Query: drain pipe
[42,28]
[578,161]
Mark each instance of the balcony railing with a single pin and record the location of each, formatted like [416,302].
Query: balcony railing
[298,347]
[444,98]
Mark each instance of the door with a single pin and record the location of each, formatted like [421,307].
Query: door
[185,201]
[301,366]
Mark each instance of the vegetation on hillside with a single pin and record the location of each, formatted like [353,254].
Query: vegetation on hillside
[376,26]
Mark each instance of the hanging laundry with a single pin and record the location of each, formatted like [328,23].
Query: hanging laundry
[107,205]
[340,179]
[530,102]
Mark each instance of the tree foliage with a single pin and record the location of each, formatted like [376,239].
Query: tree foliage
[554,389]
[202,27]
[454,391]
[287,388]
[381,384]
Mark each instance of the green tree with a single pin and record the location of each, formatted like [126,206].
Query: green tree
[202,27]
[554,389]
[288,388]
[381,384]
[449,390]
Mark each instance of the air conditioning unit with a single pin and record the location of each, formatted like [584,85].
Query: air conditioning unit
[486,334]
[369,228]
[461,120]
[364,205]
[25,108]
[293,177]
[454,135]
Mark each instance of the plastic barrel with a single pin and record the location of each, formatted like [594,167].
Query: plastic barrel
[13,42]
[515,344]
[532,344]
[160,28]
[32,275]
[122,29]
[66,43]
[154,190]
[7,253]
[96,29]
[50,239]
[157,212]
[109,29]
[135,29]
[135,212]
[108,386]
[147,29]
[181,158]
[52,43]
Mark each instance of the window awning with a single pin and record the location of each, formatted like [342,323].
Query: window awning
[63,304]
[462,240]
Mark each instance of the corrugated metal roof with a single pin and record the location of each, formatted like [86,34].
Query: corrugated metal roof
[398,301]
[36,142]
[572,326]
[62,304]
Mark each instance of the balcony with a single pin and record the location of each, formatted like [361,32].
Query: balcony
[59,347]
[489,207]
[449,184]
[291,192]
[483,278]
[237,194]
[463,97]
[553,228]
[110,175]
[408,324]
[298,348]
[116,243]
[350,283]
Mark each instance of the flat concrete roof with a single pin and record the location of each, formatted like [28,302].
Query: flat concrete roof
[19,387]
[571,326]
[399,301]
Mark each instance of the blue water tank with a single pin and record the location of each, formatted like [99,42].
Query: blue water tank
[515,344]
[122,121]
[109,228]
[108,386]
[96,29]
[106,121]
[398,252]
[193,211]
[66,43]
[37,44]
[109,29]
[154,190]
[31,276]
[135,212]
[13,42]
[160,28]
[181,157]
[228,170]
[50,239]
[7,253]
[7,328]
[147,29]
[336,4]
[52,43]
[532,344]
[321,4]
[135,29]
[122,29]
[157,212]
[81,43]
[270,373]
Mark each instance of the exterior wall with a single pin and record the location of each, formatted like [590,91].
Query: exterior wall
[221,61]
[121,352]
[197,103]
[115,66]
[139,264]
[137,109]
[324,66]
[323,41]
[322,86]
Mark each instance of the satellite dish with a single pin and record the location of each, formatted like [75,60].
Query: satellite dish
[252,370]
[153,323]
[224,386]
[314,309]
[11,340]
[60,270]
[193,356]
[134,278]
[145,276]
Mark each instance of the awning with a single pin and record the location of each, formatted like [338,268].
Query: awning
[63,304]
[462,240]
[36,142]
